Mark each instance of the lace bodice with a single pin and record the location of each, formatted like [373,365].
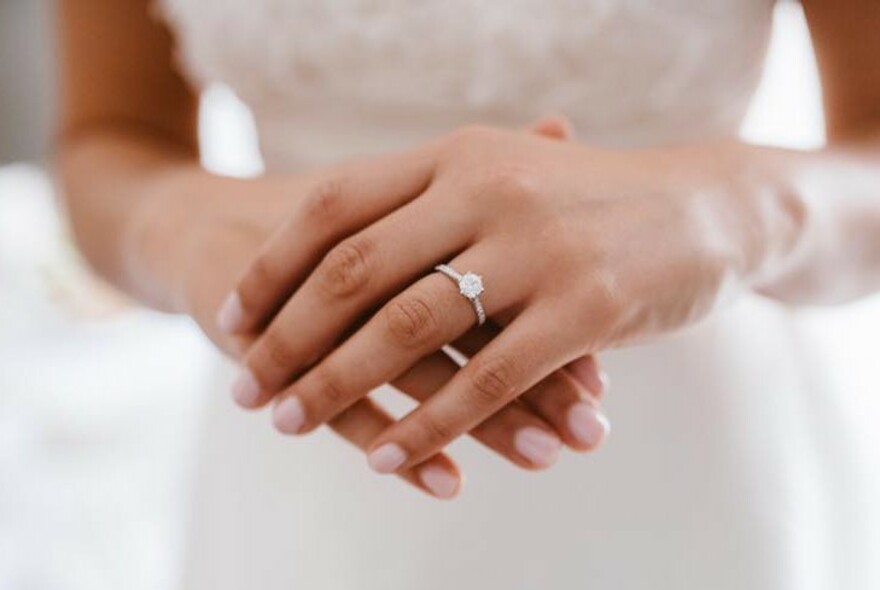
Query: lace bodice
[326,78]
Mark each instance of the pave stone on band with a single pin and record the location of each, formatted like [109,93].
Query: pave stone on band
[470,285]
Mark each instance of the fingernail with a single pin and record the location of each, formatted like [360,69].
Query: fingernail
[387,458]
[231,314]
[588,425]
[441,483]
[289,415]
[246,389]
[539,447]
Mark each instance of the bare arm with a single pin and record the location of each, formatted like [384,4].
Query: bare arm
[127,122]
[610,247]
[152,222]
[833,193]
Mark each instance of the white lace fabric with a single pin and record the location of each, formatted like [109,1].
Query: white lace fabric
[627,72]
[700,485]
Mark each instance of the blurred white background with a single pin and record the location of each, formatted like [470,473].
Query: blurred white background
[99,401]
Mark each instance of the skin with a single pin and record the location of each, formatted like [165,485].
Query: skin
[155,224]
[612,247]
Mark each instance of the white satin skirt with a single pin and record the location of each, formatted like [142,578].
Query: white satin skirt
[728,468]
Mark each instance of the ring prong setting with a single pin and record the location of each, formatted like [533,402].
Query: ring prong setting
[471,285]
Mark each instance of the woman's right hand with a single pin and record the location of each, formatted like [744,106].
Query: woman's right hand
[200,232]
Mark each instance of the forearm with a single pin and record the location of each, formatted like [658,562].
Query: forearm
[115,182]
[809,221]
[127,127]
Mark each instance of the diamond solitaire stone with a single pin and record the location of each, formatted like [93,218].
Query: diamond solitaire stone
[470,285]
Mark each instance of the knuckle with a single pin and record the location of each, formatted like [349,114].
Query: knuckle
[329,390]
[512,181]
[436,431]
[325,200]
[277,351]
[411,320]
[465,138]
[494,381]
[261,273]
[345,268]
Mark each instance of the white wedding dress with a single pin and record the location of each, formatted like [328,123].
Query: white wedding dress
[728,468]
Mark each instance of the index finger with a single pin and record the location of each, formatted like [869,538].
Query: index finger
[362,422]
[338,203]
[525,352]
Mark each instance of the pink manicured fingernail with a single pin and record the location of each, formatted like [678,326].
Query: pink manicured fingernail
[539,447]
[441,483]
[231,314]
[387,458]
[289,415]
[588,425]
[246,389]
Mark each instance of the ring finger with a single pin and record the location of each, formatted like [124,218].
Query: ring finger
[563,401]
[358,273]
[417,322]
[514,432]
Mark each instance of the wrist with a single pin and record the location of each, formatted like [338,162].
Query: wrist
[762,218]
[158,239]
[197,231]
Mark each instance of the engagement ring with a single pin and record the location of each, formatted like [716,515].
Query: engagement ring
[470,285]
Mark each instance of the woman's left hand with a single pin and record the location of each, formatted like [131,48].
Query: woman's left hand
[579,250]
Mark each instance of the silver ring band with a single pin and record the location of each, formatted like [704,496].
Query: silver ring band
[470,285]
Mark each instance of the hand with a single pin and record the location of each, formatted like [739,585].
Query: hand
[580,250]
[219,229]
